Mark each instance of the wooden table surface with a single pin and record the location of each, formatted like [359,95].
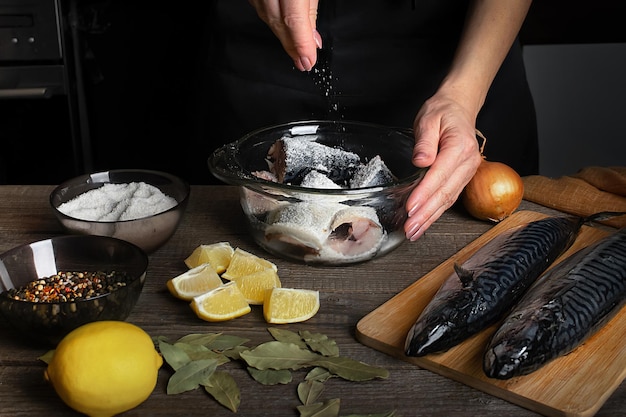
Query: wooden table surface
[347,294]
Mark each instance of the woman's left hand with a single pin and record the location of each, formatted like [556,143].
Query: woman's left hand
[445,141]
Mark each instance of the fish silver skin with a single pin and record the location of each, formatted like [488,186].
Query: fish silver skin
[489,283]
[565,306]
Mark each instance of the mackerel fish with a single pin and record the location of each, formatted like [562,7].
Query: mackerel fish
[565,306]
[481,290]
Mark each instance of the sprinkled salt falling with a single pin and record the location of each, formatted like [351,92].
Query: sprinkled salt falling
[324,80]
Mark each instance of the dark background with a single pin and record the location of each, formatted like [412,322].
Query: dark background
[142,70]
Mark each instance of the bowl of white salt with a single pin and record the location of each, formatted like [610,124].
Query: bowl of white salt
[143,207]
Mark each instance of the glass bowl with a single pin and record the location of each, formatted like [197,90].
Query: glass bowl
[320,223]
[149,232]
[47,322]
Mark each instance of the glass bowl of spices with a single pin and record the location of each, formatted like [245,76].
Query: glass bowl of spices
[50,287]
[140,206]
[322,192]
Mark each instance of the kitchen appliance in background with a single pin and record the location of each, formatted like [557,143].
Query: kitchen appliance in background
[44,135]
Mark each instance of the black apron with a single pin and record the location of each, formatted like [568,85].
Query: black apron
[380,61]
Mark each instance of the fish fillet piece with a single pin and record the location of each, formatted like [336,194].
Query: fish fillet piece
[356,231]
[265,175]
[291,158]
[372,174]
[489,283]
[316,179]
[306,225]
[259,204]
[566,305]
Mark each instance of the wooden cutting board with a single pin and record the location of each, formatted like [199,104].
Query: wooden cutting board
[573,385]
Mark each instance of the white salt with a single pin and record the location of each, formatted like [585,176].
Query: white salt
[301,152]
[372,174]
[114,202]
[316,179]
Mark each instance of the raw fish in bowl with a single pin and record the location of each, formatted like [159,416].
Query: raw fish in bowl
[322,192]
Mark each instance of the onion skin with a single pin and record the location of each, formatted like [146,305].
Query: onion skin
[495,191]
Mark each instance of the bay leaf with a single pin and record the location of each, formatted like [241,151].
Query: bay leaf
[287,336]
[224,342]
[174,355]
[190,376]
[191,348]
[279,355]
[235,352]
[197,352]
[328,408]
[309,391]
[224,389]
[199,338]
[320,343]
[213,341]
[270,376]
[318,374]
[350,369]
[209,354]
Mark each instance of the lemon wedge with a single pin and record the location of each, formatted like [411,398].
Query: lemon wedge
[217,254]
[245,263]
[223,303]
[253,285]
[194,282]
[290,305]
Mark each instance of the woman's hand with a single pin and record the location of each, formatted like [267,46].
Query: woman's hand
[445,135]
[445,141]
[294,24]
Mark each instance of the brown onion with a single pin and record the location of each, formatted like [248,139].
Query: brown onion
[495,191]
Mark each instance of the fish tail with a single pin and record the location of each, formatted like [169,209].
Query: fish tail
[602,215]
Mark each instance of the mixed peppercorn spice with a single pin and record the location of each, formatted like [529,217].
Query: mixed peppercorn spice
[69,286]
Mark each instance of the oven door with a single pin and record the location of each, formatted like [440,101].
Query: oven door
[38,109]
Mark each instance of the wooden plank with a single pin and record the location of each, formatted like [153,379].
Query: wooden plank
[575,385]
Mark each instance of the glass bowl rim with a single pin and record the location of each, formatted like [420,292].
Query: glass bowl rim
[249,181]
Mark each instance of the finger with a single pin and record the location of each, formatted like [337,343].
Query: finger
[426,142]
[299,18]
[415,229]
[436,189]
[293,22]
[439,189]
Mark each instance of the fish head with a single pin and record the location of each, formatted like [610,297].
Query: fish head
[426,337]
[519,338]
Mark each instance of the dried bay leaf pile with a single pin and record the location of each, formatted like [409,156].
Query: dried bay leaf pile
[196,360]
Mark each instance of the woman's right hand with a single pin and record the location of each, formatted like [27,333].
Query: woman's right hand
[294,24]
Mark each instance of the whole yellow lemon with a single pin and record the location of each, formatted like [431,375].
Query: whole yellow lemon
[104,368]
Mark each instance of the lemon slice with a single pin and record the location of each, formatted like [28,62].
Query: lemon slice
[220,304]
[253,285]
[194,282]
[217,254]
[290,305]
[245,263]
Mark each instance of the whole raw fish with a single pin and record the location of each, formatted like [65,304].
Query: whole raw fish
[561,310]
[490,282]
